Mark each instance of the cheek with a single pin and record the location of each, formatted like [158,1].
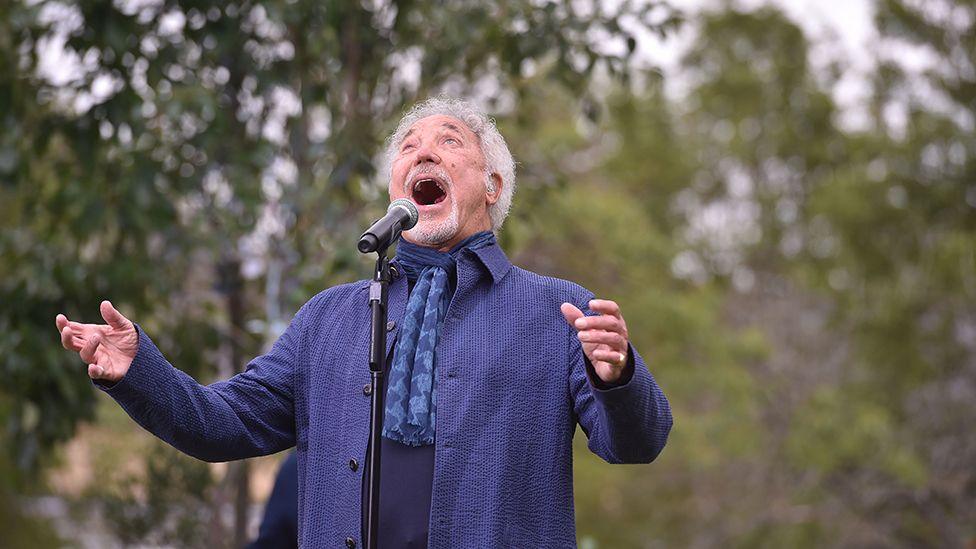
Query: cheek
[397,176]
[474,195]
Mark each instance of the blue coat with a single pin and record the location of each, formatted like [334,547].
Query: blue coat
[512,383]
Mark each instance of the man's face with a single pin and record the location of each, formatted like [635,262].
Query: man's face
[440,167]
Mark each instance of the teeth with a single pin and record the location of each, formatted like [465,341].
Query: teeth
[417,184]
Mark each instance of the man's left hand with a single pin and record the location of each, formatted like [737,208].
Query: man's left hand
[604,337]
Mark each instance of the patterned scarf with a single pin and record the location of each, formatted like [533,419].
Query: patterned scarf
[412,393]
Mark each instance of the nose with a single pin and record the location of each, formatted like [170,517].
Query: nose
[426,154]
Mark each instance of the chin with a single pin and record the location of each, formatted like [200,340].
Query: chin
[428,233]
[431,232]
[431,235]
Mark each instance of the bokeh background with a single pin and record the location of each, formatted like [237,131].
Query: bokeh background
[782,195]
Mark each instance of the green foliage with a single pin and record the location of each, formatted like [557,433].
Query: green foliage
[866,234]
[764,129]
[167,505]
[833,433]
[25,531]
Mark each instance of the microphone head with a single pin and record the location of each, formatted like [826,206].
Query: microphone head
[411,210]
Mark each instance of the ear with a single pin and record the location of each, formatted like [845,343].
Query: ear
[497,183]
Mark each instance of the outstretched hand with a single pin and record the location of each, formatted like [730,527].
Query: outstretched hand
[107,349]
[604,337]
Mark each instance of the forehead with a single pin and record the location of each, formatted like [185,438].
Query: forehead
[438,123]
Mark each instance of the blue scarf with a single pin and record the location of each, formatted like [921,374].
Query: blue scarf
[412,393]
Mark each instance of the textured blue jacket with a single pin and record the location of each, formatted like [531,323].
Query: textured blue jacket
[512,382]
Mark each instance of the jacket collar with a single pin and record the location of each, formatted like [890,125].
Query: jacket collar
[495,260]
[492,258]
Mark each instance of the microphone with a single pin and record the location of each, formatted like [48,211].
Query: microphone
[401,216]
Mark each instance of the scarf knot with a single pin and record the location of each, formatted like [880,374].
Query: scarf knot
[410,410]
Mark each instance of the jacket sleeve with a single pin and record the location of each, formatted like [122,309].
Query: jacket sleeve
[247,415]
[626,423]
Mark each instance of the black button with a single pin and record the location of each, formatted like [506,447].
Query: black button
[350,543]
[367,389]
[353,464]
[390,326]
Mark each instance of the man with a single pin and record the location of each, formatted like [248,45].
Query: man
[477,445]
[279,526]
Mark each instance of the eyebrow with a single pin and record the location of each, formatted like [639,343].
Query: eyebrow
[447,125]
[451,126]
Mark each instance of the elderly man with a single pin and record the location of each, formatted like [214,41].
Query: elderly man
[490,368]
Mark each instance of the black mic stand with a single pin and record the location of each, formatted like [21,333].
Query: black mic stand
[402,214]
[377,361]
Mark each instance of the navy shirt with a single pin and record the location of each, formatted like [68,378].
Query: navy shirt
[406,481]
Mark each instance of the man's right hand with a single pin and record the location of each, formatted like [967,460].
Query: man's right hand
[108,349]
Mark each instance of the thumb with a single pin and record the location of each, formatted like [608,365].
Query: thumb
[113,317]
[570,312]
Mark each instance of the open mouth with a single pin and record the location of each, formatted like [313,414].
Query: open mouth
[427,192]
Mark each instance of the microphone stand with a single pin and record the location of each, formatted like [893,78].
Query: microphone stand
[402,214]
[377,362]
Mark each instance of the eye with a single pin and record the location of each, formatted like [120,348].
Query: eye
[406,147]
[451,141]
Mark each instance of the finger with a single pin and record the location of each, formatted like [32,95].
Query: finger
[69,341]
[95,371]
[113,317]
[570,312]
[613,357]
[605,306]
[88,351]
[602,322]
[81,329]
[613,339]
[77,328]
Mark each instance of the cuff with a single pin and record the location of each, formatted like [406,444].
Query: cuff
[634,386]
[147,370]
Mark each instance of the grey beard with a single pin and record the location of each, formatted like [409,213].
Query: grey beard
[431,233]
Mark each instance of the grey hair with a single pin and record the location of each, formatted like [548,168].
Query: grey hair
[498,159]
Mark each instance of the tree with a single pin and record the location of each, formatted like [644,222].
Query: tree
[200,142]
[900,225]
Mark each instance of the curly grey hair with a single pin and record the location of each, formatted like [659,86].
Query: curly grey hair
[498,159]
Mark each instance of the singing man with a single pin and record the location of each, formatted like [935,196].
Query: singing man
[490,368]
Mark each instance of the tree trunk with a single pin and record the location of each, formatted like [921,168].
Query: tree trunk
[237,480]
